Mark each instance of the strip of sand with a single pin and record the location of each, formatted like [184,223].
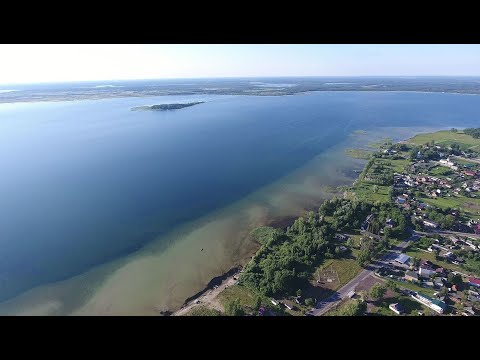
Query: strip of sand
[209,298]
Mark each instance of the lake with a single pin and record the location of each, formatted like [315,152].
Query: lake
[99,202]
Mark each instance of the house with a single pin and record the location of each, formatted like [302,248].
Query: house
[367,221]
[430,223]
[472,245]
[411,276]
[428,264]
[390,223]
[396,308]
[455,240]
[434,304]
[401,200]
[468,311]
[474,282]
[470,173]
[425,273]
[343,249]
[341,237]
[474,293]
[403,259]
[449,256]
[438,281]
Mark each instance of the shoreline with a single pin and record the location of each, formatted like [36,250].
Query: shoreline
[303,202]
[126,96]
[214,287]
[219,283]
[207,298]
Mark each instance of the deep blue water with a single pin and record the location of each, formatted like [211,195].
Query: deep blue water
[85,182]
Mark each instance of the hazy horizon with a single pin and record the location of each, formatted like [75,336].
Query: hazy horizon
[66,63]
[242,78]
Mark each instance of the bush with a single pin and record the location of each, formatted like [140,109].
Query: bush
[234,308]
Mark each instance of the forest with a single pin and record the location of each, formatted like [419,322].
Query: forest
[286,259]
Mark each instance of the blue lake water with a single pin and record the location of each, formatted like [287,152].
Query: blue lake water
[86,182]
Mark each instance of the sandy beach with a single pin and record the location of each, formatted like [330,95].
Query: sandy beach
[209,299]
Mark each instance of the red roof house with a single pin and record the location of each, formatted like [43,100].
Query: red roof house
[474,282]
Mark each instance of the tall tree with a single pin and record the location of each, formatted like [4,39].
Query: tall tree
[378,291]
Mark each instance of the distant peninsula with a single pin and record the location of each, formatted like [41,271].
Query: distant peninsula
[164,107]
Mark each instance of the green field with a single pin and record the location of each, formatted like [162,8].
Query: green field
[446,137]
[431,256]
[441,202]
[364,191]
[464,162]
[395,165]
[245,296]
[440,171]
[469,206]
[411,306]
[346,269]
[414,287]
[359,153]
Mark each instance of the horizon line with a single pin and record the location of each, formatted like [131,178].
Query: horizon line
[240,77]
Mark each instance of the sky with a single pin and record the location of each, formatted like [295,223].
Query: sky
[64,63]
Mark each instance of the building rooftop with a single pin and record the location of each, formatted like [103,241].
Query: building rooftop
[412,274]
[402,258]
[472,280]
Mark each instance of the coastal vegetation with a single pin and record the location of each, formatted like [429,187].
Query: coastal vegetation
[446,138]
[287,259]
[239,87]
[354,307]
[164,107]
[359,153]
[203,311]
[348,233]
[473,132]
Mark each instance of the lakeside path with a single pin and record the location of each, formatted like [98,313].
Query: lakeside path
[342,293]
[209,298]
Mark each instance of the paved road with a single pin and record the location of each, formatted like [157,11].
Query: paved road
[325,305]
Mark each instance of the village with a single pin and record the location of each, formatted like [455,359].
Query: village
[415,250]
[447,228]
